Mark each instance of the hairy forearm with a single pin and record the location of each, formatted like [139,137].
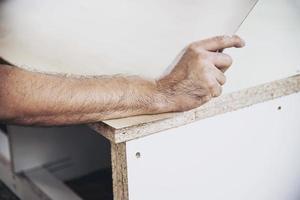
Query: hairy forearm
[35,98]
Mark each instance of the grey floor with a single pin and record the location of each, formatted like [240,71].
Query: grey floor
[94,186]
[5,193]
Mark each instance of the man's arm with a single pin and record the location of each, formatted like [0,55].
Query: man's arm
[34,98]
[29,98]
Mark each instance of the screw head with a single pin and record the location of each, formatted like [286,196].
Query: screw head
[138,155]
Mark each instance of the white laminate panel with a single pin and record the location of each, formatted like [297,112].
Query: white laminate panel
[272,34]
[107,37]
[252,153]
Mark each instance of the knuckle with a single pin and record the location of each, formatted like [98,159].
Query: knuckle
[196,51]
[236,38]
[221,39]
[194,47]
[201,57]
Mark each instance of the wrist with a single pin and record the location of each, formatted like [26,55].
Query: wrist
[161,99]
[150,99]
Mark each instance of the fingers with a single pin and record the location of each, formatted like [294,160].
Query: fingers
[215,89]
[220,43]
[221,60]
[213,83]
[213,73]
[220,77]
[199,74]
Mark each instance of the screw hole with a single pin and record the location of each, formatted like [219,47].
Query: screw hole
[138,155]
[279,108]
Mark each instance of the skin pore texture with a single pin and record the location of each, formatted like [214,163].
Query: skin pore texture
[31,98]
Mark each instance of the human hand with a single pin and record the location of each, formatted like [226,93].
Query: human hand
[199,75]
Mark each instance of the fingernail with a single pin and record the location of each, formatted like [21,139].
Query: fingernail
[242,41]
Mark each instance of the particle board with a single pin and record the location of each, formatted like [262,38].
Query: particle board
[126,129]
[119,170]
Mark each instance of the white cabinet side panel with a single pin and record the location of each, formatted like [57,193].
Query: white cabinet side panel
[252,153]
